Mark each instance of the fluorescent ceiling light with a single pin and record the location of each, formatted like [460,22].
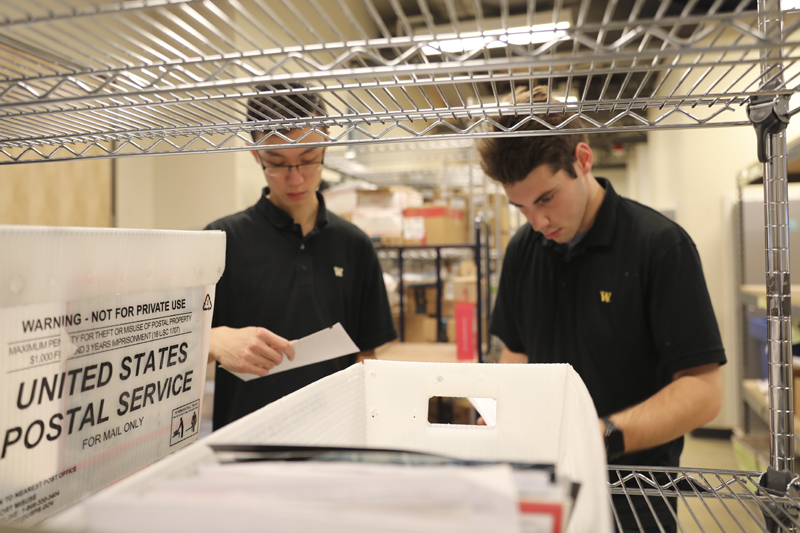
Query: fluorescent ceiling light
[539,33]
[790,5]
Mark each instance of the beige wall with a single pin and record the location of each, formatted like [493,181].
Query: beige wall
[135,191]
[695,172]
[74,193]
[618,178]
[185,192]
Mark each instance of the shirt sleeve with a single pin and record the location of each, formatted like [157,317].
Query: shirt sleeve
[376,326]
[503,323]
[684,327]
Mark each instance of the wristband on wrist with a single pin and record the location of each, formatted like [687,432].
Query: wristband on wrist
[614,439]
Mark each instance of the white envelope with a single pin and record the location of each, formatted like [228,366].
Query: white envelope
[487,409]
[325,344]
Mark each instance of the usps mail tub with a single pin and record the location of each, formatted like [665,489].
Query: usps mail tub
[544,415]
[104,336]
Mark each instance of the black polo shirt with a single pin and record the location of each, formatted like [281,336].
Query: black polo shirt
[294,286]
[627,307]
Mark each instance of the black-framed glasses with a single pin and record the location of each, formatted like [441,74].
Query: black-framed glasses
[281,171]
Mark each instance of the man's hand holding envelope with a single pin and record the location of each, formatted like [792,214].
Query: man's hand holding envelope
[251,350]
[262,352]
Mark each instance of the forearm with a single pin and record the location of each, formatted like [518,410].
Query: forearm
[213,346]
[366,354]
[507,356]
[688,402]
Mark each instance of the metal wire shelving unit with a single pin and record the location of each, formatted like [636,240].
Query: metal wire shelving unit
[104,78]
[82,79]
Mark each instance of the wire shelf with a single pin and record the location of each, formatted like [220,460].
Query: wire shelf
[707,500]
[101,78]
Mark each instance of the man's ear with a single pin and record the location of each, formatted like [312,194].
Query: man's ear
[257,138]
[584,157]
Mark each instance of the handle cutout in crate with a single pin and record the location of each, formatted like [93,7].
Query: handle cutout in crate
[458,411]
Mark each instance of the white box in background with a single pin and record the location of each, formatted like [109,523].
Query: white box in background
[544,415]
[345,200]
[103,346]
[377,222]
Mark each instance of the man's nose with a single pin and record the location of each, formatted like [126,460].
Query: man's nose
[294,175]
[538,221]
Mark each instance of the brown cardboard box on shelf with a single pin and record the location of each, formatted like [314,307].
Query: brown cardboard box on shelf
[451,329]
[443,225]
[422,300]
[796,382]
[387,240]
[465,289]
[448,307]
[420,328]
[466,267]
[416,299]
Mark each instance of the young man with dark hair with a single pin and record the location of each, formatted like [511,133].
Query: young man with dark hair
[291,268]
[611,287]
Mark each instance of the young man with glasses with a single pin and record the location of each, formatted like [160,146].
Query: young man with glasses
[292,268]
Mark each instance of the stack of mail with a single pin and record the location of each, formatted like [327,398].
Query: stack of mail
[319,496]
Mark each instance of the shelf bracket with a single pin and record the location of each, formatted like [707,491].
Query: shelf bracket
[779,484]
[769,115]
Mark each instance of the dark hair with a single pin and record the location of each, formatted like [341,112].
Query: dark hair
[510,159]
[290,105]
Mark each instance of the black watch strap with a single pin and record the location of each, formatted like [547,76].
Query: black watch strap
[615,440]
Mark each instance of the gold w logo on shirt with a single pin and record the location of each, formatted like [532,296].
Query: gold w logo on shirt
[338,271]
[605,297]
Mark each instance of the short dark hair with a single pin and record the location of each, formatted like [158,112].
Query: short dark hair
[510,159]
[290,105]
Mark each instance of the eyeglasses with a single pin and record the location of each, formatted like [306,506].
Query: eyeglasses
[281,171]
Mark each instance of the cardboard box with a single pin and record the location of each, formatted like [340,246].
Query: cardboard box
[377,222]
[467,267]
[422,300]
[796,391]
[420,328]
[346,200]
[443,225]
[451,329]
[105,337]
[416,298]
[387,240]
[465,289]
[384,404]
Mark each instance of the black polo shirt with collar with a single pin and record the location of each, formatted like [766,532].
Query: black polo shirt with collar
[627,307]
[294,286]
